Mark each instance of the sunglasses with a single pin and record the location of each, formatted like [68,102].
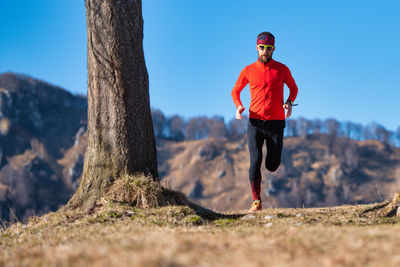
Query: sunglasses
[267,47]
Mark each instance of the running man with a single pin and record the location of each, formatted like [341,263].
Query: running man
[267,110]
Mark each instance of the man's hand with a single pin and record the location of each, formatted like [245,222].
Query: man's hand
[288,106]
[239,112]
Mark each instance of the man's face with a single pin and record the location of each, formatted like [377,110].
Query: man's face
[265,52]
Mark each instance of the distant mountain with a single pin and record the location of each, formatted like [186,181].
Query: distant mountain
[38,123]
[43,142]
[318,170]
[33,109]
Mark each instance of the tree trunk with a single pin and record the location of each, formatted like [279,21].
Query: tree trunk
[120,130]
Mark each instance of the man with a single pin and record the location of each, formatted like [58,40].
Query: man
[266,78]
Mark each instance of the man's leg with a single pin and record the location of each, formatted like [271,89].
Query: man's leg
[255,141]
[274,141]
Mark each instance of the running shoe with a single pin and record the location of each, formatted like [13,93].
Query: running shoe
[256,205]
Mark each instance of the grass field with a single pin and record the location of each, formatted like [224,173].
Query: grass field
[119,235]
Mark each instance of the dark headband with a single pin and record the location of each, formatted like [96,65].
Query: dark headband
[265,40]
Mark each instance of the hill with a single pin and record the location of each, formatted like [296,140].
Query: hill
[31,109]
[43,141]
[119,235]
[318,170]
[38,175]
[38,123]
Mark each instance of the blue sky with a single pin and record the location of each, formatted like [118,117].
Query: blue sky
[344,55]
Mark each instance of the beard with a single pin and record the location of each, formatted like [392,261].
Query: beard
[265,58]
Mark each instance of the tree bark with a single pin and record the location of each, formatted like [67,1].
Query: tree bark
[120,130]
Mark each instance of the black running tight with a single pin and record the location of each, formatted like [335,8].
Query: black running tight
[257,132]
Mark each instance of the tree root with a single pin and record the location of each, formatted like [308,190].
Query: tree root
[386,209]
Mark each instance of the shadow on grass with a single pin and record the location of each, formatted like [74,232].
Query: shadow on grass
[178,198]
[210,215]
[375,208]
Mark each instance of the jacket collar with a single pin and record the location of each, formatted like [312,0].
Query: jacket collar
[266,64]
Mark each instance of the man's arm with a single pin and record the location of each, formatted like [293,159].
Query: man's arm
[293,91]
[241,82]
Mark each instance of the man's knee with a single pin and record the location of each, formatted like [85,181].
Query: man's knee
[272,166]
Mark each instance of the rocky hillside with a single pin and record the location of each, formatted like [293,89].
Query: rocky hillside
[43,141]
[32,109]
[318,170]
[38,124]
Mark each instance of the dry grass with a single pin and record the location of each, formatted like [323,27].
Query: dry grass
[142,191]
[120,235]
[393,207]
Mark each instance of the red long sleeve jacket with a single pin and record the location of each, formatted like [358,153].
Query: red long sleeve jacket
[266,89]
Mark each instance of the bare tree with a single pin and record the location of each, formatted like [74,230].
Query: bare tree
[158,123]
[216,127]
[292,128]
[357,134]
[367,133]
[332,127]
[176,128]
[120,130]
[382,134]
[349,128]
[397,136]
[237,128]
[304,126]
[197,128]
[316,126]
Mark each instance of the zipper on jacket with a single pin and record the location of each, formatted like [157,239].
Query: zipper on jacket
[265,84]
